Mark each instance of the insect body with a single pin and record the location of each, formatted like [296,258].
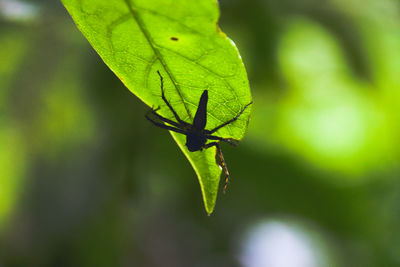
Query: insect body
[196,138]
[196,134]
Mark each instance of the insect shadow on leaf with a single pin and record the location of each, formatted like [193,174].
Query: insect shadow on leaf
[196,134]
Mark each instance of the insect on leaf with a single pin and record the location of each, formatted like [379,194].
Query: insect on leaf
[182,40]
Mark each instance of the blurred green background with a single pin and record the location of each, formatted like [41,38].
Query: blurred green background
[85,180]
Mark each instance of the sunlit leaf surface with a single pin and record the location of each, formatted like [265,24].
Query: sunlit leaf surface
[182,40]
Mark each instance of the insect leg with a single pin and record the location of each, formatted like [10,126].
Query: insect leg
[154,111]
[210,145]
[165,126]
[168,104]
[230,121]
[222,163]
[230,141]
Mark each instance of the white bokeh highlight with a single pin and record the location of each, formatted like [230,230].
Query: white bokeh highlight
[15,10]
[277,244]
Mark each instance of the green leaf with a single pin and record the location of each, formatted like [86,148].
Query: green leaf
[182,40]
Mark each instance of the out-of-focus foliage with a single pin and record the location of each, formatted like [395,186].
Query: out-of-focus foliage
[12,155]
[86,181]
[12,166]
[334,120]
[182,40]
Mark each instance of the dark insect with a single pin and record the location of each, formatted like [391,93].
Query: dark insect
[196,134]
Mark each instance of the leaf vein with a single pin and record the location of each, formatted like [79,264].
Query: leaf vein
[171,19]
[211,72]
[147,35]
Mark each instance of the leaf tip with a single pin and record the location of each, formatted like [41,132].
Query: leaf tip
[209,212]
[209,207]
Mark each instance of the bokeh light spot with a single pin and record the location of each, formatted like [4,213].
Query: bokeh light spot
[279,244]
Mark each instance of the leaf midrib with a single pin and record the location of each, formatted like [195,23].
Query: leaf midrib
[156,52]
